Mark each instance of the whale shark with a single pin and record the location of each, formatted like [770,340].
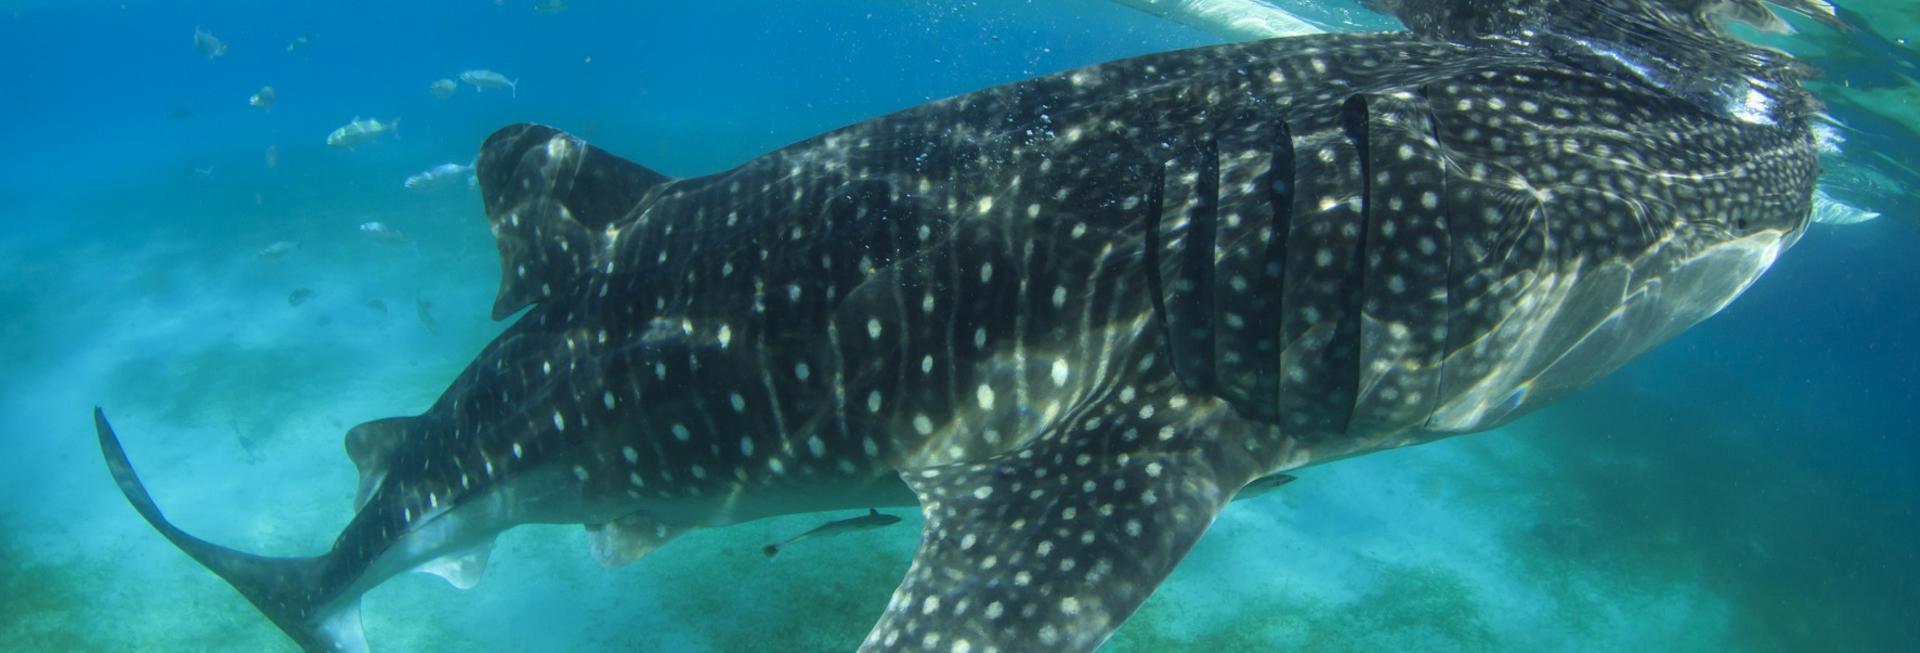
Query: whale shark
[1072,318]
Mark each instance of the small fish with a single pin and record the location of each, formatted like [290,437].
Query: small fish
[273,156]
[277,249]
[486,79]
[383,232]
[872,520]
[424,309]
[362,131]
[298,42]
[377,306]
[550,7]
[300,296]
[263,98]
[440,176]
[179,113]
[208,44]
[442,88]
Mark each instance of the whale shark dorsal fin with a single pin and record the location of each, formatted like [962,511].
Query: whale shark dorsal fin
[371,446]
[1055,556]
[554,202]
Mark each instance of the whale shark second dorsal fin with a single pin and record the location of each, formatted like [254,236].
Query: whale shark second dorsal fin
[554,202]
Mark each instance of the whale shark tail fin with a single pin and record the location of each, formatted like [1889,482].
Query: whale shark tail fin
[290,591]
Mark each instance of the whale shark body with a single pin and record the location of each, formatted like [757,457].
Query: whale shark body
[1069,318]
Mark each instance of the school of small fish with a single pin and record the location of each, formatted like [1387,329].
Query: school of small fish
[357,133]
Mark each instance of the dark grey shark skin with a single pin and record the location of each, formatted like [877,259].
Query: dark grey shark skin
[1069,318]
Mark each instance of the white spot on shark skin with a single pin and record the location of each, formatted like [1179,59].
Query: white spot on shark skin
[681,433]
[559,421]
[873,401]
[1060,372]
[816,446]
[738,402]
[984,395]
[801,371]
[746,447]
[922,424]
[606,398]
[726,336]
[517,452]
[632,455]
[873,328]
[580,472]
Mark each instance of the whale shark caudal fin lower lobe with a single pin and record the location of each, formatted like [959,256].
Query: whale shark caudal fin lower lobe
[285,589]
[555,204]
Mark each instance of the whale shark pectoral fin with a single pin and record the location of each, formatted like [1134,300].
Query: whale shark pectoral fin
[622,541]
[554,202]
[1041,552]
[463,568]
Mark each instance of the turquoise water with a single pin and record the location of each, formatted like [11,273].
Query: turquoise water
[1750,486]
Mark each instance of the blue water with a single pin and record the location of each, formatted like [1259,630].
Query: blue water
[1750,486]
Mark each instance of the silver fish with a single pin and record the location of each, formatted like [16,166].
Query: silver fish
[362,131]
[440,176]
[206,43]
[263,99]
[486,79]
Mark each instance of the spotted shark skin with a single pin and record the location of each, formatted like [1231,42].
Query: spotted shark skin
[1069,318]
